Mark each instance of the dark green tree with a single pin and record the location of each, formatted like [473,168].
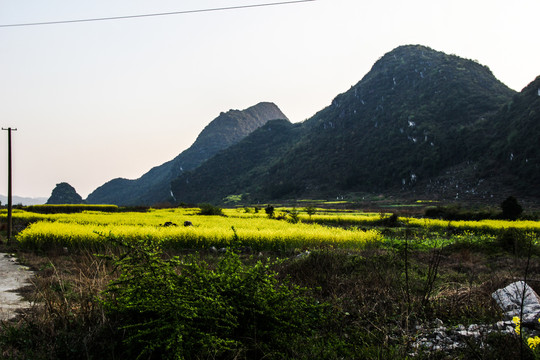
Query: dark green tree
[310,210]
[511,209]
[269,211]
[209,209]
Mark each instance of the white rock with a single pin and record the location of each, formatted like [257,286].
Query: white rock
[512,298]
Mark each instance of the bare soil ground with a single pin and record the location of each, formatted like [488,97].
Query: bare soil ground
[13,277]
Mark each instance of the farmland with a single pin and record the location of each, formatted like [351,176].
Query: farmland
[340,283]
[167,227]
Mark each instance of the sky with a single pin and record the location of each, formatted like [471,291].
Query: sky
[93,101]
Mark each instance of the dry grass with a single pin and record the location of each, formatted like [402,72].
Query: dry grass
[65,316]
[376,309]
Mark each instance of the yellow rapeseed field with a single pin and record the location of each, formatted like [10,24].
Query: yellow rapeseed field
[236,229]
[239,227]
[489,226]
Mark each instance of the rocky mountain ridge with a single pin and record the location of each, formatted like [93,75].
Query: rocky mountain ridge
[419,123]
[154,186]
[417,114]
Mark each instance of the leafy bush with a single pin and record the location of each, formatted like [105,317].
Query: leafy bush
[517,242]
[69,208]
[269,211]
[511,209]
[310,210]
[209,209]
[455,212]
[183,309]
[293,216]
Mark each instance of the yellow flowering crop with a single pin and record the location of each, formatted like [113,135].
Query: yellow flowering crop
[482,225]
[259,232]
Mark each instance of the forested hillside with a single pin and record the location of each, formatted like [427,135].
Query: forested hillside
[154,186]
[416,113]
[515,146]
[242,166]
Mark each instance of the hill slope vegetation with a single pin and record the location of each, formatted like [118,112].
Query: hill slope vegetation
[415,114]
[154,186]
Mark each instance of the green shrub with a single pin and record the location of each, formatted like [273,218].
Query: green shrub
[269,211]
[516,241]
[511,209]
[69,209]
[183,309]
[310,210]
[294,216]
[209,209]
[456,212]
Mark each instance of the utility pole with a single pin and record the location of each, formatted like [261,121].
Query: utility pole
[10,202]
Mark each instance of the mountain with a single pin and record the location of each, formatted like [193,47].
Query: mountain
[238,168]
[154,186]
[416,113]
[16,200]
[64,193]
[516,140]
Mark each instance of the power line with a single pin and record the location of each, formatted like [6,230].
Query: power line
[157,14]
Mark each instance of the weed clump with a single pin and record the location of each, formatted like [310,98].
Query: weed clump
[209,209]
[184,309]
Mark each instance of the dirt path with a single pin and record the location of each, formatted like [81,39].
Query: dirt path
[13,276]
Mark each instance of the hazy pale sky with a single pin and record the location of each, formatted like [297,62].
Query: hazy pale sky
[97,100]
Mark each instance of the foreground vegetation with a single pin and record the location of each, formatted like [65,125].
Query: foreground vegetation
[259,283]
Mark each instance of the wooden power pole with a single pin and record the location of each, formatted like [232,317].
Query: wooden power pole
[10,202]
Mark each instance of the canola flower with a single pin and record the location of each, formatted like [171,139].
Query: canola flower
[517,321]
[325,228]
[88,228]
[484,226]
[532,342]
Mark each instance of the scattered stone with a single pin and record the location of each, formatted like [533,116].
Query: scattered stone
[188,223]
[437,337]
[169,223]
[445,339]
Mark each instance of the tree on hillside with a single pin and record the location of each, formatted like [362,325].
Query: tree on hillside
[511,208]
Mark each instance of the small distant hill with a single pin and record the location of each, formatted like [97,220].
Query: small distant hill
[64,193]
[417,113]
[23,200]
[154,186]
